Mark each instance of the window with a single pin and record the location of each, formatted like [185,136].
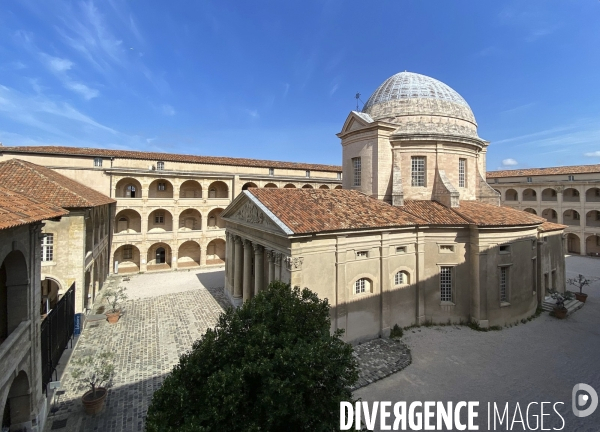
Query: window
[401,278]
[554,214]
[446,284]
[418,171]
[401,249]
[495,180]
[162,186]
[357,170]
[504,284]
[271,171]
[130,191]
[575,215]
[529,180]
[361,286]
[48,247]
[127,252]
[505,249]
[446,248]
[571,178]
[97,162]
[160,166]
[339,176]
[362,254]
[159,218]
[307,173]
[533,242]
[598,192]
[462,168]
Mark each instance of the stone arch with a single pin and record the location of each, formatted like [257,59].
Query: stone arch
[159,256]
[190,220]
[14,292]
[249,185]
[128,188]
[401,277]
[160,188]
[271,185]
[338,187]
[307,186]
[323,187]
[511,195]
[571,195]
[592,218]
[573,244]
[188,254]
[160,220]
[530,210]
[549,194]
[369,284]
[214,220]
[17,407]
[571,217]
[218,189]
[290,186]
[190,189]
[592,195]
[592,245]
[50,291]
[215,252]
[127,259]
[550,215]
[529,195]
[128,221]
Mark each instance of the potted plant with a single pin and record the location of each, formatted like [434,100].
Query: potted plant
[579,282]
[114,297]
[93,372]
[560,311]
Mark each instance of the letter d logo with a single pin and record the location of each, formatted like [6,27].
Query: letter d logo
[582,399]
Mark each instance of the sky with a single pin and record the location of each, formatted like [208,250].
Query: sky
[276,80]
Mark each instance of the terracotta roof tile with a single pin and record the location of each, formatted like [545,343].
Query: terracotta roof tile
[433,212]
[169,157]
[561,170]
[48,186]
[483,214]
[316,210]
[551,226]
[17,209]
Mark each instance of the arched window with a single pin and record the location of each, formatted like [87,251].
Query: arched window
[130,191]
[401,278]
[362,285]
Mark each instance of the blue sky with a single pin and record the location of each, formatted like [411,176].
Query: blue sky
[276,80]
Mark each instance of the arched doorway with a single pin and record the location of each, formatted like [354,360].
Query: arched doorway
[17,409]
[549,194]
[189,254]
[215,252]
[14,285]
[218,189]
[50,290]
[127,259]
[159,257]
[573,244]
[190,189]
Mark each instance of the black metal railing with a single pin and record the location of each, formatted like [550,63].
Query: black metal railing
[57,330]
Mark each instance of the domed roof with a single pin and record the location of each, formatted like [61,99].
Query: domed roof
[412,94]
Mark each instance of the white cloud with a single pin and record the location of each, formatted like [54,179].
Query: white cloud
[59,67]
[82,89]
[593,154]
[253,113]
[168,110]
[509,162]
[57,64]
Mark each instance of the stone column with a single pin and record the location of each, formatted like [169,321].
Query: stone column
[259,269]
[278,257]
[229,260]
[271,258]
[247,290]
[238,268]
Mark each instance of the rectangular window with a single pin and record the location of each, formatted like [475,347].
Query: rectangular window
[571,178]
[362,254]
[357,170]
[97,162]
[446,284]
[504,284]
[127,252]
[418,171]
[159,218]
[495,180]
[505,249]
[162,186]
[462,169]
[339,177]
[308,173]
[529,180]
[446,248]
[48,247]
[271,171]
[401,249]
[359,286]
[160,166]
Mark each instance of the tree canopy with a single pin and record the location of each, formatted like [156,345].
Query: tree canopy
[270,365]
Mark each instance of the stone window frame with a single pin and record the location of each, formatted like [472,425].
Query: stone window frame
[127,252]
[271,172]
[362,286]
[462,172]
[504,285]
[418,171]
[571,178]
[159,218]
[446,248]
[361,254]
[160,166]
[405,278]
[447,271]
[97,162]
[161,186]
[356,171]
[48,247]
[529,180]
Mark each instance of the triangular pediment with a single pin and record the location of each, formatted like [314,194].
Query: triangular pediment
[355,121]
[247,210]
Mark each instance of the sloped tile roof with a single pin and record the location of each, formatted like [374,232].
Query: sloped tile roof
[306,211]
[482,214]
[433,212]
[17,209]
[46,185]
[551,226]
[561,170]
[169,157]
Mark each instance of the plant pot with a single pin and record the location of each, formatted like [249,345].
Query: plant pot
[93,405]
[560,313]
[581,297]
[113,317]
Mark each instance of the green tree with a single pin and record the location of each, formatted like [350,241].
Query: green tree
[271,365]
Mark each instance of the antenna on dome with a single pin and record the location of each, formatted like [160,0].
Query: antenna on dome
[358,99]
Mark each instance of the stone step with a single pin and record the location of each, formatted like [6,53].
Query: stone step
[571,305]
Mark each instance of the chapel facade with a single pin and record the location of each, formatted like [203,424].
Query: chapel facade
[416,234]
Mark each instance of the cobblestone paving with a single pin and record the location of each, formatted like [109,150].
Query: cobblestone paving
[148,341]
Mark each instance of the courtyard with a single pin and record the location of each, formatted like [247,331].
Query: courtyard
[166,312]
